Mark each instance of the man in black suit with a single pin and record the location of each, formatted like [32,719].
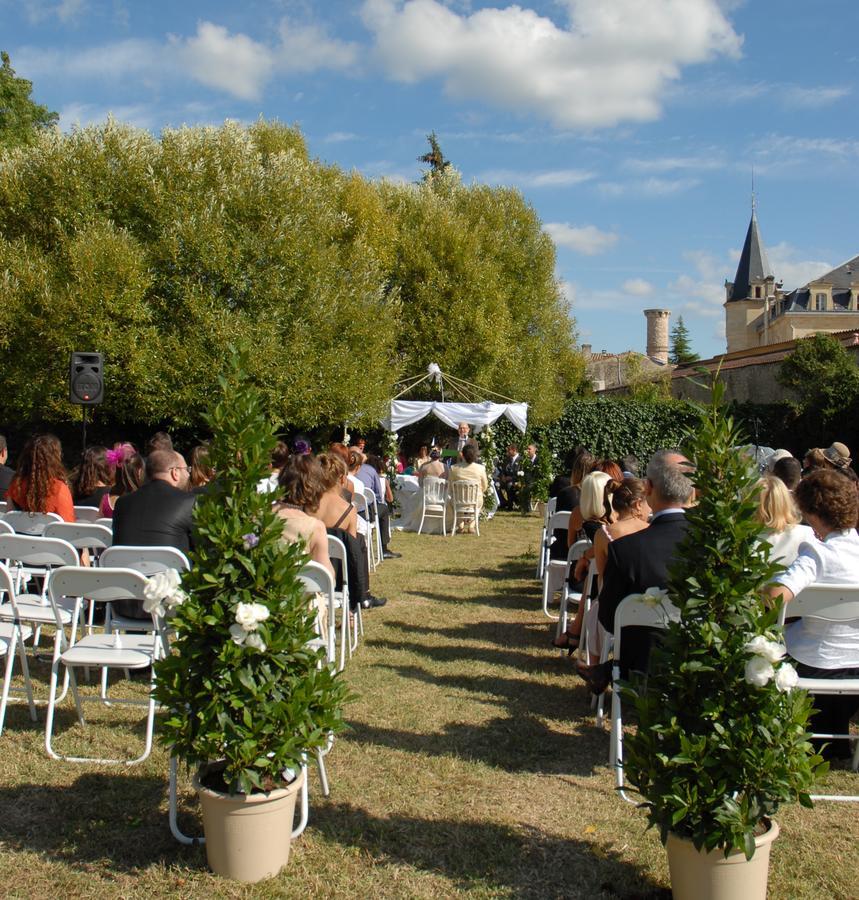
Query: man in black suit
[507,487]
[158,514]
[6,473]
[641,560]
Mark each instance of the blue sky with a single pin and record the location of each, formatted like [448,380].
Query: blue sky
[632,126]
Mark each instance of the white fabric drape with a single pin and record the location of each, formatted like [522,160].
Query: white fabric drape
[405,412]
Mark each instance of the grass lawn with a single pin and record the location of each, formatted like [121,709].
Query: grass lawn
[472,767]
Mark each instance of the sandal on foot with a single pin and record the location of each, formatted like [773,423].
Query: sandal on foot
[566,641]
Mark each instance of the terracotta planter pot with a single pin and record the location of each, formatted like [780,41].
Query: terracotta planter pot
[713,876]
[248,835]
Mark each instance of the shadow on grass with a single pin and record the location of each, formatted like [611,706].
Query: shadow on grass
[536,635]
[522,861]
[112,818]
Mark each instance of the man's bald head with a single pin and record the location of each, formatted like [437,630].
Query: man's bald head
[169,466]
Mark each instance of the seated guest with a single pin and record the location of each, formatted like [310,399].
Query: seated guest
[813,459]
[630,465]
[334,510]
[822,649]
[422,458]
[301,490]
[159,513]
[435,468]
[6,472]
[789,471]
[93,478]
[837,456]
[568,500]
[470,470]
[577,519]
[368,475]
[202,471]
[129,472]
[777,512]
[40,485]
[641,560]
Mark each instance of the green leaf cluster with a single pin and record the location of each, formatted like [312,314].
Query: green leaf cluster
[257,711]
[713,755]
[21,118]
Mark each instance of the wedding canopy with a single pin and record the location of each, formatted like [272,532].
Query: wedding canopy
[476,413]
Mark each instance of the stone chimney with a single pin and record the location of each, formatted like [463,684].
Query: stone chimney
[586,349]
[657,334]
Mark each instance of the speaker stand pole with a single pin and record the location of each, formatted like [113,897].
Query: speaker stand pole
[83,432]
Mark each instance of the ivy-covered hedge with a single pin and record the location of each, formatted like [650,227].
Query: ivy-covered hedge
[608,427]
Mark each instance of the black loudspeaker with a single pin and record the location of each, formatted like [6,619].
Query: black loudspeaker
[86,379]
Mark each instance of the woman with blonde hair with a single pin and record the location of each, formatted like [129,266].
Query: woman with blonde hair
[777,512]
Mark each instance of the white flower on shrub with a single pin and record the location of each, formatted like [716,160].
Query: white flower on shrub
[249,615]
[654,596]
[786,679]
[772,651]
[162,593]
[255,641]
[759,671]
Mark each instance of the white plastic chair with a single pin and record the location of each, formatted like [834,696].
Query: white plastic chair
[30,523]
[434,502]
[362,507]
[465,496]
[630,611]
[373,521]
[108,523]
[33,558]
[87,514]
[545,534]
[106,651]
[6,528]
[12,637]
[554,572]
[830,603]
[574,554]
[337,551]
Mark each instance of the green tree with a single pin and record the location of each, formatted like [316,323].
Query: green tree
[438,165]
[681,349]
[822,378]
[20,117]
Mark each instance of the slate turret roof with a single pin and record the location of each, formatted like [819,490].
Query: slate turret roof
[753,264]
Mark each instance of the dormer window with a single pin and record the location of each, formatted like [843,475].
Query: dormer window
[758,293]
[820,301]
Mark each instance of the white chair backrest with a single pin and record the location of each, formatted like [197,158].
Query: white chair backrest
[122,556]
[337,550]
[551,506]
[466,493]
[30,523]
[435,491]
[360,502]
[632,611]
[37,552]
[83,535]
[97,583]
[6,528]
[833,602]
[87,514]
[108,523]
[577,550]
[317,579]
[559,520]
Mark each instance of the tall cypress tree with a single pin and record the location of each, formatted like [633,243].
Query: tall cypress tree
[681,349]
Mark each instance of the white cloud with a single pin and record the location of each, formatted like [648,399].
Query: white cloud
[82,114]
[648,187]
[677,163]
[814,97]
[638,287]
[538,179]
[66,11]
[789,267]
[598,71]
[339,137]
[229,62]
[587,239]
[308,48]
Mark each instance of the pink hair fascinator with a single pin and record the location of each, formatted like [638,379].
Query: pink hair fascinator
[118,456]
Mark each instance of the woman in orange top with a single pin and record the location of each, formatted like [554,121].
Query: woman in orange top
[40,485]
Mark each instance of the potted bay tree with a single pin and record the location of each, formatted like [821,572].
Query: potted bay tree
[722,737]
[248,698]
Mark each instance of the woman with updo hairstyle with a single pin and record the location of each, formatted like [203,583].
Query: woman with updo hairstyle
[778,514]
[578,518]
[202,471]
[129,473]
[334,510]
[92,478]
[40,484]
[829,503]
[301,488]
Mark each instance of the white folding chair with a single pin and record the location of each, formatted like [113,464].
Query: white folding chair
[318,580]
[465,496]
[554,572]
[30,523]
[6,528]
[108,523]
[574,554]
[830,603]
[87,514]
[630,611]
[373,521]
[32,558]
[106,651]
[12,636]
[545,534]
[348,640]
[362,507]
[434,501]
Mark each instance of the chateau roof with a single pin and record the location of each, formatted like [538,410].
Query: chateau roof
[840,278]
[753,265]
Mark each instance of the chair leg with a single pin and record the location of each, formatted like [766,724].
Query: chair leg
[172,801]
[323,775]
[7,681]
[305,804]
[52,699]
[28,685]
